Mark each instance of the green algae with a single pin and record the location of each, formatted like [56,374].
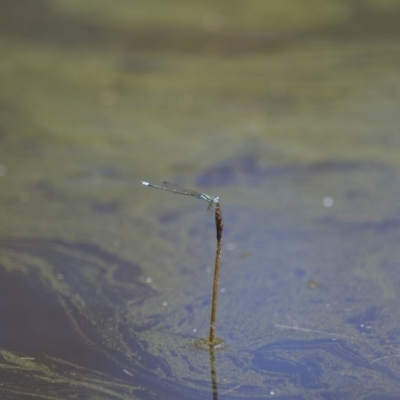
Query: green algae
[56,378]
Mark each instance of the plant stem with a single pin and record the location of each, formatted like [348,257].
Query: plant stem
[219,227]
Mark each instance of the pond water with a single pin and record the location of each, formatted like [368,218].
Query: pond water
[106,285]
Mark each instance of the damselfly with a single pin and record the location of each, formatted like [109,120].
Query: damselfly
[171,187]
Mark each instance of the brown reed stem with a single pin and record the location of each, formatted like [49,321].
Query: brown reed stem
[213,368]
[219,227]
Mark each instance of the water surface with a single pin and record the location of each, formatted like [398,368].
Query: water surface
[105,284]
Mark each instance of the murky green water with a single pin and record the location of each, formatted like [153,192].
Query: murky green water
[105,284]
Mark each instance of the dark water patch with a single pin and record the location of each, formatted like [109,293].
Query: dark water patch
[320,365]
[229,172]
[249,166]
[167,217]
[60,305]
[125,273]
[362,321]
[36,294]
[34,323]
[49,191]
[105,207]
